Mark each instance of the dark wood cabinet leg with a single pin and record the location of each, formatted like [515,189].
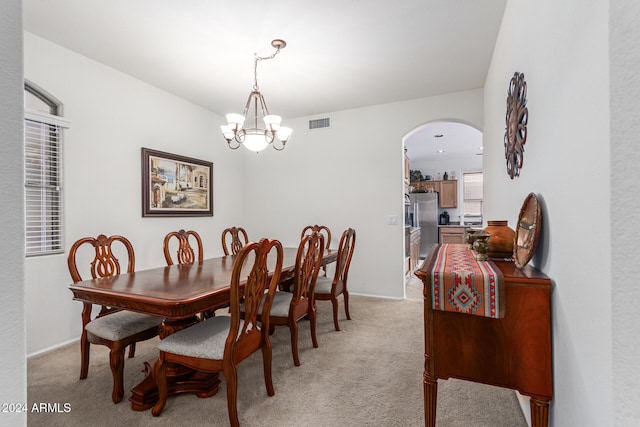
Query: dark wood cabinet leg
[430,401]
[539,412]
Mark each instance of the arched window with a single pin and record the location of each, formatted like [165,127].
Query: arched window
[43,126]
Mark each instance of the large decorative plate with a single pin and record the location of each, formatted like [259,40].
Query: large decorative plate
[527,231]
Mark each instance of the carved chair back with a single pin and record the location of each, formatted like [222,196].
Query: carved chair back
[319,229]
[185,253]
[308,261]
[257,280]
[104,262]
[239,239]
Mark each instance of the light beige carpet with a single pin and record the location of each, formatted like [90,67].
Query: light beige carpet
[368,374]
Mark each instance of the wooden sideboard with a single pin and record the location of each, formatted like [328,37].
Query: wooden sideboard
[512,352]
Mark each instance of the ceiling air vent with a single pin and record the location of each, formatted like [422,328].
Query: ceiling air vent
[320,123]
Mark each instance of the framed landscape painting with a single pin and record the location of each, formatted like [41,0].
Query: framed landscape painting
[174,185]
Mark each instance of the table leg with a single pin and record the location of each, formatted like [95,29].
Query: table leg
[180,379]
[539,412]
[145,394]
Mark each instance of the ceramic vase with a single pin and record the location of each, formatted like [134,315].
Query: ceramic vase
[500,239]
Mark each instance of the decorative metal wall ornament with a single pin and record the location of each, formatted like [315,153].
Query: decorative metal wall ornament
[515,134]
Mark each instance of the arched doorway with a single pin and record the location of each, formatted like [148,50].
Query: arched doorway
[437,151]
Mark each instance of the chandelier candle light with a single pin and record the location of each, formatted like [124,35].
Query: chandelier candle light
[255,138]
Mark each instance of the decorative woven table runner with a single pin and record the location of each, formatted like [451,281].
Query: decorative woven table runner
[461,284]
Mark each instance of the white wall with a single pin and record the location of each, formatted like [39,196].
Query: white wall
[562,49]
[349,176]
[624,51]
[12,302]
[112,116]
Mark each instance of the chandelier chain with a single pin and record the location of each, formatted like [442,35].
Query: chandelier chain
[255,67]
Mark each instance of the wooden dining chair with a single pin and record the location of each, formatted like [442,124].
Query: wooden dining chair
[239,238]
[328,289]
[327,238]
[290,307]
[219,344]
[113,328]
[185,253]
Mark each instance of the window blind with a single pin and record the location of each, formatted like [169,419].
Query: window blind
[472,188]
[43,196]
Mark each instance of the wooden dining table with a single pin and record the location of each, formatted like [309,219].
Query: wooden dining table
[177,293]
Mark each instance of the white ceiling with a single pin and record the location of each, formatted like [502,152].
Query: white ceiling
[445,141]
[340,54]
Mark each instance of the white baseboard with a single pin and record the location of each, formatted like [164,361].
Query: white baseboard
[54,347]
[376,296]
[525,406]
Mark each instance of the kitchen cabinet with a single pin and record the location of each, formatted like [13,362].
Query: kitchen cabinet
[449,194]
[431,186]
[425,186]
[452,234]
[448,191]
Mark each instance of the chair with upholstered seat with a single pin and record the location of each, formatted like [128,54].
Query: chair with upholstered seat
[238,237]
[113,328]
[328,289]
[219,344]
[185,253]
[290,307]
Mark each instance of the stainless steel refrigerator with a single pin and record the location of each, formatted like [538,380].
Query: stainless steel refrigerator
[425,216]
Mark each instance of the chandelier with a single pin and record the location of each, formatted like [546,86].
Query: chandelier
[255,138]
